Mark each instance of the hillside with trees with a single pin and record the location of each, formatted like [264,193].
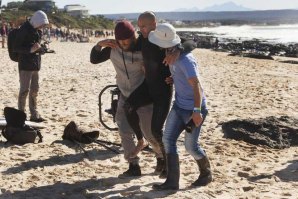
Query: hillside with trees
[16,13]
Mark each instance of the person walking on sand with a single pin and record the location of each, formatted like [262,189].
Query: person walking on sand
[27,45]
[154,89]
[189,110]
[126,56]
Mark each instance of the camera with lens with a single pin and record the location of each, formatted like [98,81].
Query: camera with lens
[44,48]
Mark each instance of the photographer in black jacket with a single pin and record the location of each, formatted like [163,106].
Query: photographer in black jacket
[28,47]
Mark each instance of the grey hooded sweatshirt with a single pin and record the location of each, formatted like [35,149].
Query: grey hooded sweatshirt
[128,66]
[38,19]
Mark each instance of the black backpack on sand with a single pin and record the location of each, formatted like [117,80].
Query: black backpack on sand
[16,131]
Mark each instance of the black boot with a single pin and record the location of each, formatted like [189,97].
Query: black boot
[160,164]
[205,176]
[134,170]
[172,181]
[163,173]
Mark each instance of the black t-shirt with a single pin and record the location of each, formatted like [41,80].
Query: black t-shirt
[155,71]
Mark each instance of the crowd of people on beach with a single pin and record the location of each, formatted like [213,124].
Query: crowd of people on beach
[147,68]
[65,35]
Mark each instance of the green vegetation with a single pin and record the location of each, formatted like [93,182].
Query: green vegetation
[61,19]
[93,22]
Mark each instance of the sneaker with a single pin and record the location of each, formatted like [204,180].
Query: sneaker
[38,120]
[133,171]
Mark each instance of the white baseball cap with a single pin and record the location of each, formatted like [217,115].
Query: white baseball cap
[164,36]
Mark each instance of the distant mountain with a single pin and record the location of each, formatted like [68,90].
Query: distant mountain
[227,18]
[228,6]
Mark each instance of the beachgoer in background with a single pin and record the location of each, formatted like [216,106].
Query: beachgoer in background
[216,43]
[27,45]
[126,56]
[189,110]
[3,33]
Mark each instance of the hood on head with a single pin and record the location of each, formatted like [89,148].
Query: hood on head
[38,19]
[124,30]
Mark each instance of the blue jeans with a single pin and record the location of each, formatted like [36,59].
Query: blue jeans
[175,124]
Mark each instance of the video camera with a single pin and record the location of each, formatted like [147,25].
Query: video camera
[44,48]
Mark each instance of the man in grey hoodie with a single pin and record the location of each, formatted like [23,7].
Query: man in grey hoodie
[126,56]
[28,47]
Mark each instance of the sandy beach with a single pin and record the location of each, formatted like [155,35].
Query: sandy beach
[236,88]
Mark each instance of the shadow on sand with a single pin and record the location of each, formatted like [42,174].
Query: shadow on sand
[93,154]
[93,188]
[289,174]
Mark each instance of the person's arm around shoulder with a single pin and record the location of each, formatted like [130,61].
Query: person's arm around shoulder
[98,54]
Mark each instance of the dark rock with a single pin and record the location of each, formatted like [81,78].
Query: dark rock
[271,131]
[255,46]
[289,62]
[257,56]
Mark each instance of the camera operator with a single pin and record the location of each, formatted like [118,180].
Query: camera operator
[28,47]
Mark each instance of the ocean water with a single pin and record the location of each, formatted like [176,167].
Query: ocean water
[275,34]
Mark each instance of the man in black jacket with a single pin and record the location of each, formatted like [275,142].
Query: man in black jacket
[28,47]
[156,89]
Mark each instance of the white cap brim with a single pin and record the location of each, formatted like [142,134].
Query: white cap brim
[162,43]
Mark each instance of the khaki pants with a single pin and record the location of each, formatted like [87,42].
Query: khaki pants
[29,84]
[3,41]
[127,134]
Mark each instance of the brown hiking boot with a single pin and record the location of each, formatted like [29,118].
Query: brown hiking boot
[134,170]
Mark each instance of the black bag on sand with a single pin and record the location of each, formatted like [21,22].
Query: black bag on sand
[16,131]
[73,133]
[14,117]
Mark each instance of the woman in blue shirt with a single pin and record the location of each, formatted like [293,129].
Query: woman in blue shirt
[188,111]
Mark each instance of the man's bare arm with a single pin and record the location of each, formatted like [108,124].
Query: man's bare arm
[198,96]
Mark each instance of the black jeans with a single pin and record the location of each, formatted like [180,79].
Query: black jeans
[161,106]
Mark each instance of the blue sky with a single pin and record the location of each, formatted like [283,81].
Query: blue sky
[137,6]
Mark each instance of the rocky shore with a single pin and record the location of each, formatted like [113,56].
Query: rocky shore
[248,48]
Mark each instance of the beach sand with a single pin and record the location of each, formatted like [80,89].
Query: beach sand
[236,88]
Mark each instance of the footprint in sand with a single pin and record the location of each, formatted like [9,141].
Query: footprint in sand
[82,115]
[243,174]
[248,188]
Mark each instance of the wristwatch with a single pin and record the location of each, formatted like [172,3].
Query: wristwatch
[197,110]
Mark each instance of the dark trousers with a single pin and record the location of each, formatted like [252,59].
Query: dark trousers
[161,106]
